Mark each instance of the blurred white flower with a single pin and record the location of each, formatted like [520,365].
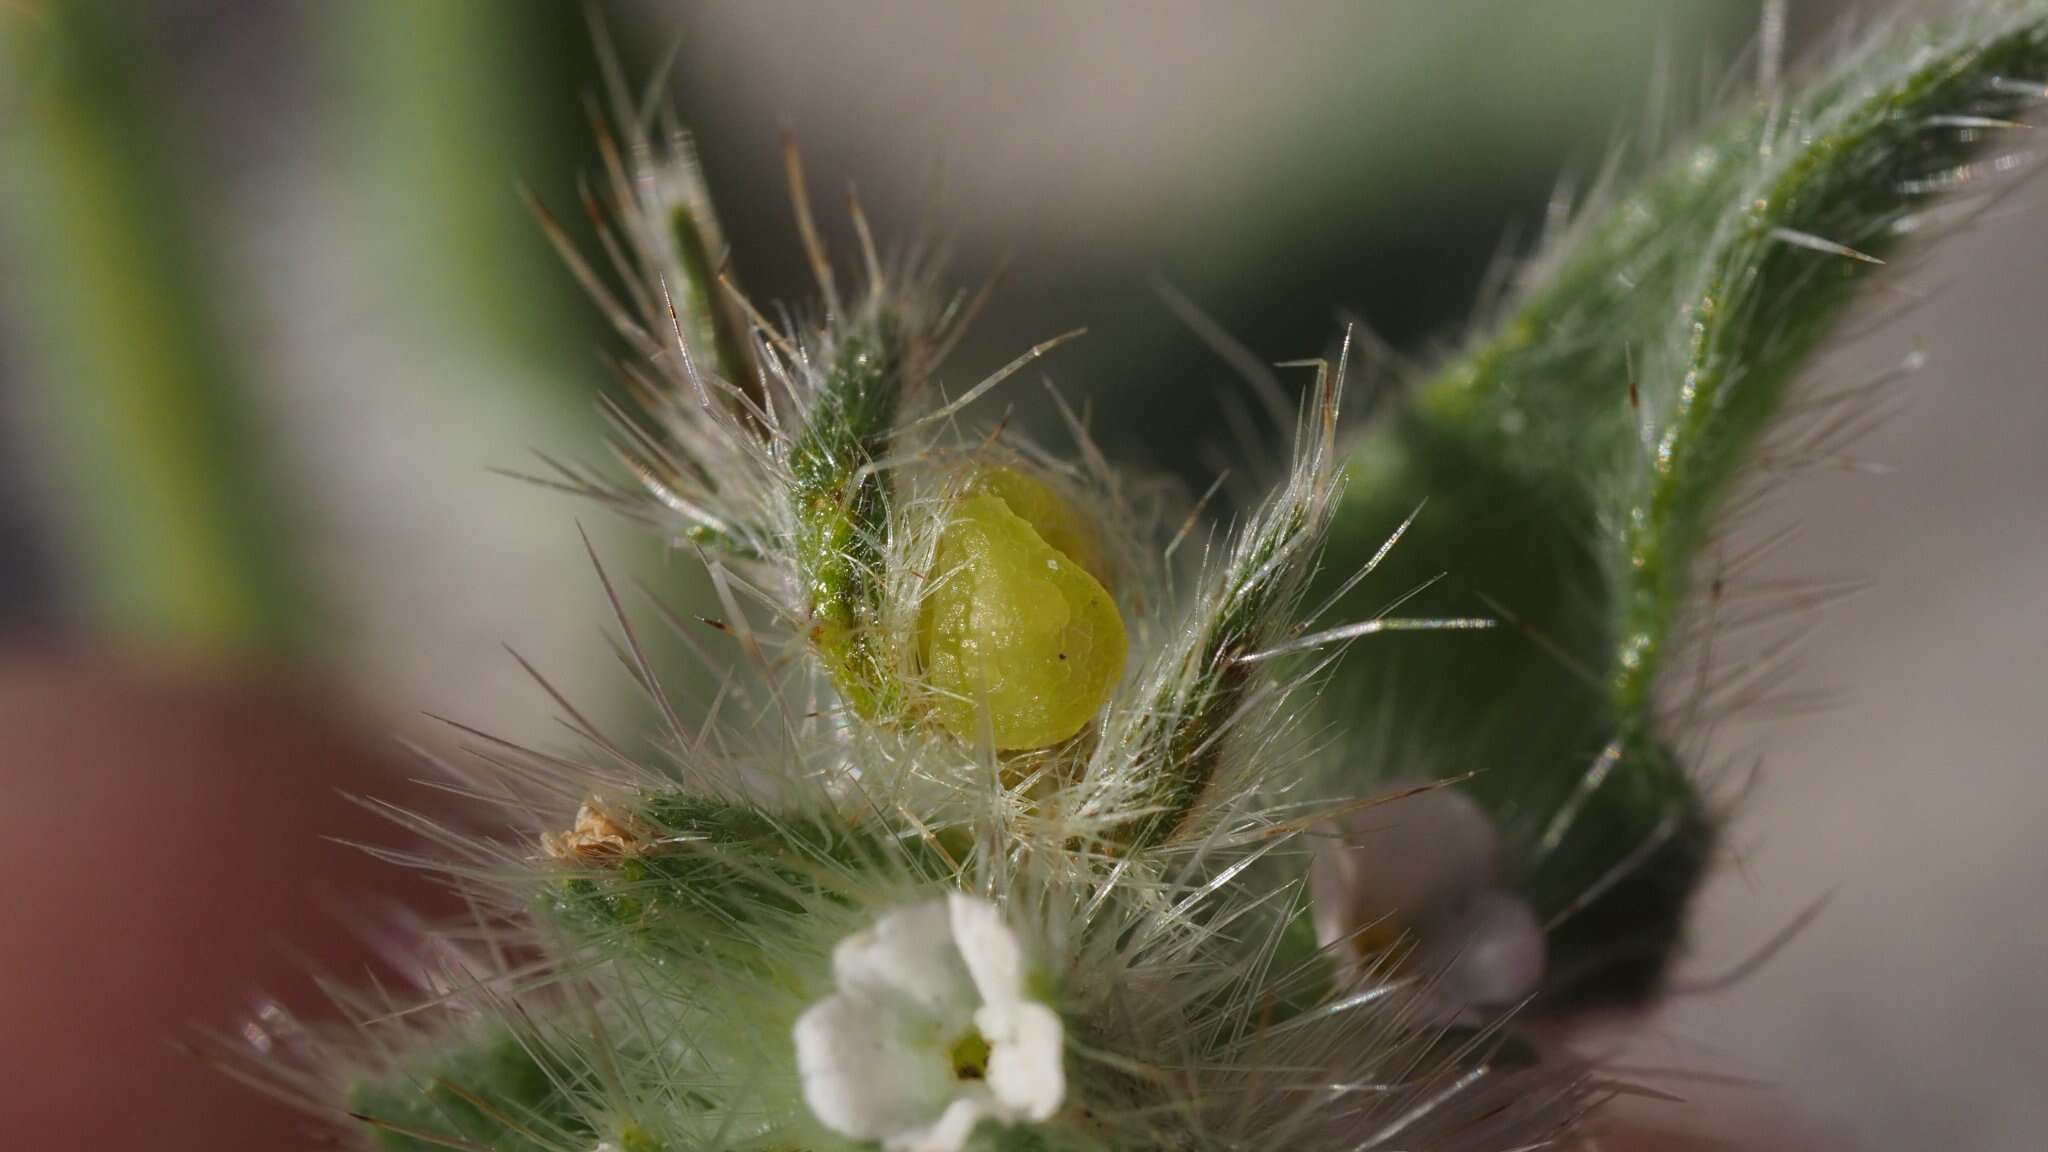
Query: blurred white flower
[930,1031]
[1422,868]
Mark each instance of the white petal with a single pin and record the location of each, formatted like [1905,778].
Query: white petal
[1491,953]
[989,948]
[908,955]
[948,1133]
[1026,1066]
[869,1070]
[1410,859]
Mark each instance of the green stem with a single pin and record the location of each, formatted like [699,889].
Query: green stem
[174,510]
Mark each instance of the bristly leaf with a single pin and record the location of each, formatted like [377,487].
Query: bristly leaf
[1575,462]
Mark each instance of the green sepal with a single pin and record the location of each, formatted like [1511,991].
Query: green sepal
[841,510]
[717,323]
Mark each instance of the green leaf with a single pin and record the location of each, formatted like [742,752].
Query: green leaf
[1576,462]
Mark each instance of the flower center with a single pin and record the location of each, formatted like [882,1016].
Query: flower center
[970,1056]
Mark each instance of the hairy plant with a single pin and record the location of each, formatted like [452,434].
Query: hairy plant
[1012,825]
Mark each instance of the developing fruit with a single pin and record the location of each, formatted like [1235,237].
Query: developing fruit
[1018,622]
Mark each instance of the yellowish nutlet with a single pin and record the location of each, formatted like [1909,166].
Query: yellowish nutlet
[1019,621]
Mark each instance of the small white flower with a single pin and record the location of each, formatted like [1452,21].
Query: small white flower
[1424,866]
[930,1031]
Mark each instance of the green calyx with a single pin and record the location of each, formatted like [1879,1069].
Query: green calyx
[841,509]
